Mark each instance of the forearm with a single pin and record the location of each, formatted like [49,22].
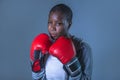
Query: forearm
[39,75]
[82,75]
[84,56]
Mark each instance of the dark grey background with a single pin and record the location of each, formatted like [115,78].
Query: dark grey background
[96,21]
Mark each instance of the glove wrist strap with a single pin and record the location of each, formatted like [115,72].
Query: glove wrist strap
[73,67]
[38,75]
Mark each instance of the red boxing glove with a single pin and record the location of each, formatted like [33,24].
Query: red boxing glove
[63,49]
[42,43]
[40,46]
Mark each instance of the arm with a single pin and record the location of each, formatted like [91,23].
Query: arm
[39,48]
[84,55]
[87,61]
[77,66]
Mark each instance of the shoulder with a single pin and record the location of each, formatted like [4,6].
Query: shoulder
[85,46]
[77,41]
[83,50]
[81,46]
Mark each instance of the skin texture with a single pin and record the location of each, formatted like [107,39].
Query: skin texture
[57,25]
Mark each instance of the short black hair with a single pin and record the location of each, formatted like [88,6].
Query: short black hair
[65,10]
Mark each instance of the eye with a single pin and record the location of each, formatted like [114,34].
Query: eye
[59,24]
[49,22]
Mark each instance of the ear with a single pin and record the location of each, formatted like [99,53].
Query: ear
[69,25]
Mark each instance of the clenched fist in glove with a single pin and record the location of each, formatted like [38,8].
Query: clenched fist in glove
[40,46]
[64,50]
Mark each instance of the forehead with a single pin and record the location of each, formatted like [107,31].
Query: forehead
[56,14]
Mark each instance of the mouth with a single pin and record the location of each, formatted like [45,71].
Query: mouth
[54,36]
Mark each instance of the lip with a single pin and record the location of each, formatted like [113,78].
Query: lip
[53,35]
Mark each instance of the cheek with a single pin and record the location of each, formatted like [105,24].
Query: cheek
[49,28]
[60,30]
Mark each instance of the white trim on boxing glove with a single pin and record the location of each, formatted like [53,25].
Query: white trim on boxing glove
[38,75]
[73,67]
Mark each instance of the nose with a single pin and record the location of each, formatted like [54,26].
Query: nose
[53,27]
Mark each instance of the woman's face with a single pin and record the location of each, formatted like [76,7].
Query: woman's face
[57,25]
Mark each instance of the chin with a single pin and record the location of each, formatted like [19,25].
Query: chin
[53,38]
